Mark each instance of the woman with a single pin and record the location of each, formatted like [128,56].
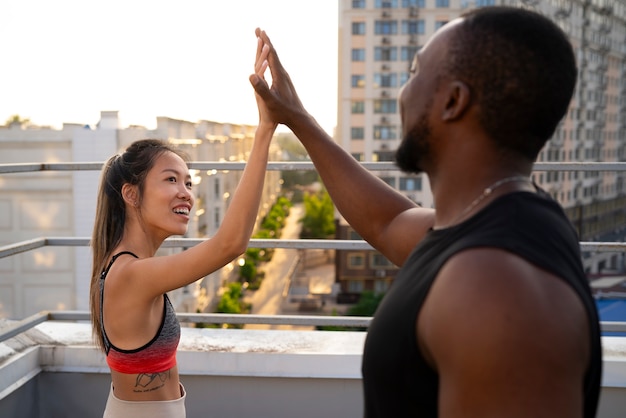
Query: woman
[145,196]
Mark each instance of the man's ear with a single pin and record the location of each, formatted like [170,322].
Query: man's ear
[130,195]
[457,101]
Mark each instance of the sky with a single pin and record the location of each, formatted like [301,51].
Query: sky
[64,61]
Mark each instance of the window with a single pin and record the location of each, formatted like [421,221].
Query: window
[440,23]
[385,106]
[411,183]
[390,181]
[358,80]
[413,27]
[385,80]
[358,54]
[356,261]
[216,188]
[217,219]
[353,235]
[386,4]
[358,4]
[404,77]
[385,132]
[385,53]
[483,3]
[413,3]
[358,106]
[384,156]
[358,28]
[355,286]
[442,3]
[386,27]
[357,132]
[379,260]
[381,286]
[407,53]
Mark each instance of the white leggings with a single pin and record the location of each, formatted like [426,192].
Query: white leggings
[118,408]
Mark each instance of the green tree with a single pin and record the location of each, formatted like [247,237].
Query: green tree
[367,304]
[248,270]
[16,119]
[230,303]
[319,216]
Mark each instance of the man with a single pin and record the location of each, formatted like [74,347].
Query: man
[490,314]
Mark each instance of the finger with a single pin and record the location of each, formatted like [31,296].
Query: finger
[261,63]
[260,85]
[272,57]
[266,40]
[260,69]
[263,68]
[259,48]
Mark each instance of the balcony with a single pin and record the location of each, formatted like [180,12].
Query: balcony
[50,368]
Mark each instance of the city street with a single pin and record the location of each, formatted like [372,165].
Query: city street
[268,299]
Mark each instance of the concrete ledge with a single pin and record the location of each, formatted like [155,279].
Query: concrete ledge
[18,370]
[282,373]
[222,352]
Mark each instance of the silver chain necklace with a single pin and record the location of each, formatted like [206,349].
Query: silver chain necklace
[488,190]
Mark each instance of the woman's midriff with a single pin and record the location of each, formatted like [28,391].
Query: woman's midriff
[164,386]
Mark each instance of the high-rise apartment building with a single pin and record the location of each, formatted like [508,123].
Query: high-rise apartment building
[62,204]
[377,42]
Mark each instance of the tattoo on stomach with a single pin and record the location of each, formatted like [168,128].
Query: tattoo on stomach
[147,382]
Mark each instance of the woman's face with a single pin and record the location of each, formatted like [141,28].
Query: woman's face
[167,196]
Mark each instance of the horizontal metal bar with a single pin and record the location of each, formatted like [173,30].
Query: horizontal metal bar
[34,167]
[20,247]
[242,319]
[197,165]
[302,320]
[254,243]
[295,165]
[313,320]
[603,246]
[327,244]
[23,325]
[613,326]
[222,318]
[580,166]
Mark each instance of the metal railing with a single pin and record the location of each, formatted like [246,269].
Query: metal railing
[296,165]
[25,324]
[21,326]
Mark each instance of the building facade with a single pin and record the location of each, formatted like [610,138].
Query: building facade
[62,203]
[377,42]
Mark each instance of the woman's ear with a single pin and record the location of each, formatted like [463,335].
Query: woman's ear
[130,195]
[457,102]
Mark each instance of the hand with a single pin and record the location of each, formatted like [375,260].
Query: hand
[260,65]
[280,102]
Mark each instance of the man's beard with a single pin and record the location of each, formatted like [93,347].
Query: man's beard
[415,147]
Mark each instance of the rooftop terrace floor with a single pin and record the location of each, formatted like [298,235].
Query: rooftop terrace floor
[53,370]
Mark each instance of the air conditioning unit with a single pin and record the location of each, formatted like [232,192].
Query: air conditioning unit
[384,120]
[413,39]
[384,93]
[385,67]
[386,14]
[413,12]
[386,40]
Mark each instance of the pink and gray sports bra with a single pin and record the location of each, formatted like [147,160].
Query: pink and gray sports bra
[158,355]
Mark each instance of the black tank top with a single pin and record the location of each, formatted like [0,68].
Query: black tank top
[397,380]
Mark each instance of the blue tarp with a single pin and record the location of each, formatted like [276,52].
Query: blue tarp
[612,310]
